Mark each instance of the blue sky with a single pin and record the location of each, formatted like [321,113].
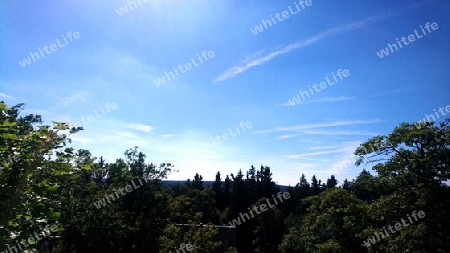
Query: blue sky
[117,58]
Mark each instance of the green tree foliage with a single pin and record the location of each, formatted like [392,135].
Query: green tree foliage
[331,182]
[203,238]
[44,180]
[196,183]
[28,180]
[315,186]
[334,218]
[414,164]
[266,223]
[219,192]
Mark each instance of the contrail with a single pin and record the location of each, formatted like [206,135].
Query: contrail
[245,65]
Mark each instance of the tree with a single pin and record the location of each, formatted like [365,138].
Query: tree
[253,184]
[414,161]
[331,182]
[369,188]
[269,228]
[197,183]
[227,190]
[315,186]
[347,185]
[201,237]
[303,188]
[267,185]
[334,218]
[218,190]
[24,193]
[129,222]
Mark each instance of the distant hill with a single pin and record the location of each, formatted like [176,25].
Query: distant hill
[170,183]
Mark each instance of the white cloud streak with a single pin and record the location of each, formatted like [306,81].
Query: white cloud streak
[247,64]
[304,128]
[287,136]
[318,153]
[334,132]
[140,127]
[3,95]
[73,99]
[322,147]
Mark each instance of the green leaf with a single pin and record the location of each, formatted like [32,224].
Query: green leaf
[7,123]
[9,136]
[3,107]
[53,188]
[86,167]
[19,216]
[60,126]
[55,215]
[12,223]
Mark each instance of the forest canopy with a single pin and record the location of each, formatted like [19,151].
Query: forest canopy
[54,198]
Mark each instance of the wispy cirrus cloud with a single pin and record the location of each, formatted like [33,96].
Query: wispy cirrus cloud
[287,136]
[334,132]
[322,147]
[3,95]
[141,127]
[318,153]
[258,60]
[80,96]
[342,164]
[311,127]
